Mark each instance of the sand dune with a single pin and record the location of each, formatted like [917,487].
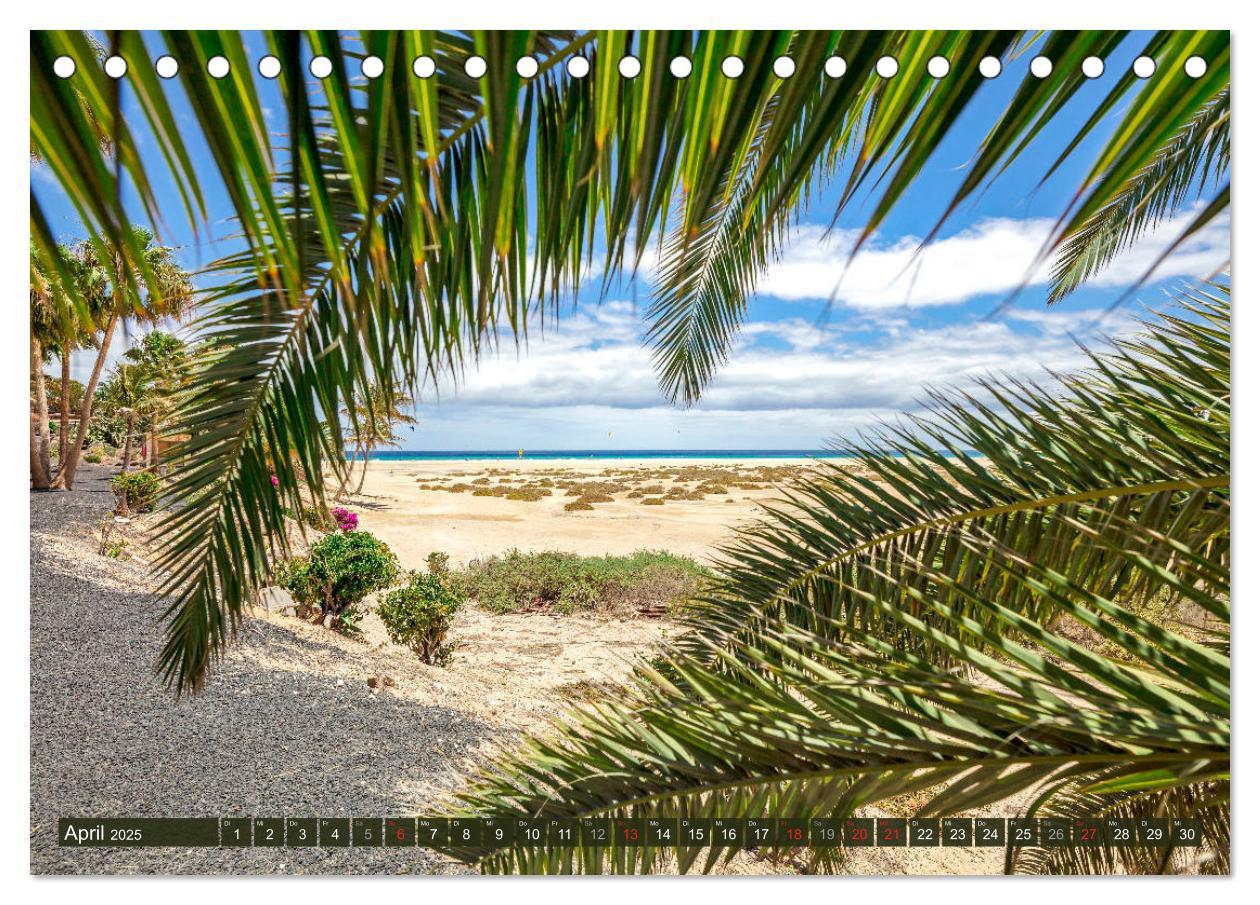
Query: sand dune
[399,505]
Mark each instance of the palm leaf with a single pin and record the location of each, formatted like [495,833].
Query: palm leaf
[943,644]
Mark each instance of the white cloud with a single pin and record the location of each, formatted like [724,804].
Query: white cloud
[992,257]
[595,358]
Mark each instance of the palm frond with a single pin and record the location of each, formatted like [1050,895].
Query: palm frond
[1195,157]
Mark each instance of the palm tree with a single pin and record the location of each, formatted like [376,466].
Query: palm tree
[1050,621]
[372,423]
[164,359]
[171,296]
[414,220]
[130,392]
[43,314]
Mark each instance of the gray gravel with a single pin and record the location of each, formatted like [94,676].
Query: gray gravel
[108,740]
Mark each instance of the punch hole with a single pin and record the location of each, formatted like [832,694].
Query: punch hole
[167,66]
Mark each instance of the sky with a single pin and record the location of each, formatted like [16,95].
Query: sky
[828,351]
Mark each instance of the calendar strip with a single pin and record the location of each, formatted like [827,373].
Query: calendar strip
[654,832]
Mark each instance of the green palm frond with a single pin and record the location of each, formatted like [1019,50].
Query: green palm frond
[406,224]
[1196,157]
[1051,619]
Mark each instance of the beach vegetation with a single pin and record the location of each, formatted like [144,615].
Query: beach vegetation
[438,563]
[569,583]
[419,615]
[336,574]
[578,506]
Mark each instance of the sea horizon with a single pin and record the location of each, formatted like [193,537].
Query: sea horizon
[409,455]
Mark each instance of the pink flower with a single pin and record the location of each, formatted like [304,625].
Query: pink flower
[345,519]
[275,482]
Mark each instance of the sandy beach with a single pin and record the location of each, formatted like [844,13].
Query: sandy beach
[418,507]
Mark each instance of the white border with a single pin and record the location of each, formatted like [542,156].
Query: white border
[14,541]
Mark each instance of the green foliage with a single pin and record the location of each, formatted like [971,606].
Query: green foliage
[406,191]
[438,563]
[956,628]
[96,457]
[566,582]
[419,615]
[108,427]
[139,490]
[317,517]
[338,572]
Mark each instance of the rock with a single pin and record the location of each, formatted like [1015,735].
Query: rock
[276,600]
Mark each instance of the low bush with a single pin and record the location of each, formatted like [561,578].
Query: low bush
[438,563]
[565,582]
[317,518]
[419,615]
[339,571]
[578,506]
[136,491]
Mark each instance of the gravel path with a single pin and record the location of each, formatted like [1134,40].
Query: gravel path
[107,739]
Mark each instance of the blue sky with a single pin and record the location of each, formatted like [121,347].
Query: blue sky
[804,371]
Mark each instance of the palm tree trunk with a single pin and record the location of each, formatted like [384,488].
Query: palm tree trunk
[39,421]
[363,475]
[41,406]
[345,478]
[65,477]
[63,428]
[131,432]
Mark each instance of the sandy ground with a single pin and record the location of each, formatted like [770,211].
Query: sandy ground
[416,521]
[288,723]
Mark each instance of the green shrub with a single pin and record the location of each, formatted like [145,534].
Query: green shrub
[419,614]
[136,491]
[577,506]
[653,501]
[318,519]
[95,458]
[438,563]
[338,572]
[565,582]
